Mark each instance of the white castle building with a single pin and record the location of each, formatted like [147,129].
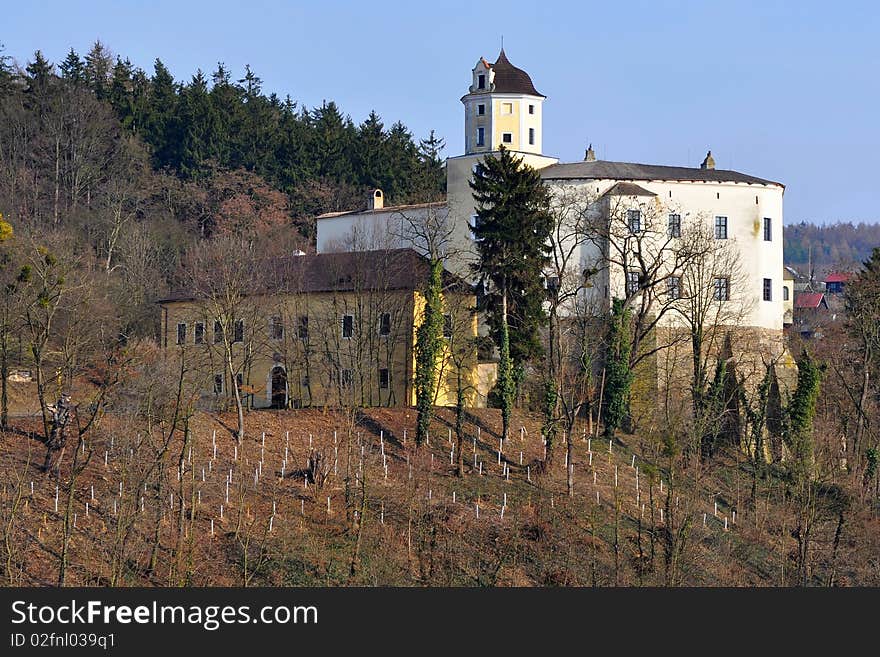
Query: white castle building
[650,207]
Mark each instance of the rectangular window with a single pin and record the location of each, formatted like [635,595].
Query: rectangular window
[305,381]
[481,81]
[507,137]
[303,328]
[218,331]
[531,109]
[238,332]
[481,109]
[276,328]
[475,218]
[383,378]
[720,228]
[347,326]
[785,293]
[632,283]
[634,220]
[238,380]
[447,326]
[768,229]
[768,289]
[481,136]
[532,136]
[507,108]
[345,378]
[673,287]
[385,324]
[199,333]
[722,289]
[675,225]
[181,333]
[218,384]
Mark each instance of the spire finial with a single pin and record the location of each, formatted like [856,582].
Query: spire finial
[502,42]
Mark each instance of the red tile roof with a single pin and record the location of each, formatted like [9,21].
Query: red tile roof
[837,277]
[808,300]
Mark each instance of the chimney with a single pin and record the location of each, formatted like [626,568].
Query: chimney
[376,200]
[709,162]
[590,156]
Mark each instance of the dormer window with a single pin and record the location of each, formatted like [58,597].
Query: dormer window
[481,81]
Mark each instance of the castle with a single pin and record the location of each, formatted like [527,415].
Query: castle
[643,218]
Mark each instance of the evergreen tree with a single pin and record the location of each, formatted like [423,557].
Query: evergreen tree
[40,71]
[120,96]
[432,179]
[72,69]
[99,61]
[161,130]
[197,127]
[332,139]
[512,231]
[370,152]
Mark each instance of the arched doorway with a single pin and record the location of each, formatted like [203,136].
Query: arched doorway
[278,379]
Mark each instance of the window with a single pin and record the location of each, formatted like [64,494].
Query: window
[199,333]
[385,324]
[218,384]
[481,81]
[634,220]
[447,326]
[532,136]
[481,136]
[531,109]
[720,228]
[784,293]
[768,289]
[181,333]
[238,332]
[383,378]
[722,289]
[238,380]
[305,381]
[673,287]
[345,378]
[768,229]
[481,109]
[674,225]
[507,137]
[218,331]
[632,282]
[347,326]
[303,328]
[475,218]
[507,108]
[276,328]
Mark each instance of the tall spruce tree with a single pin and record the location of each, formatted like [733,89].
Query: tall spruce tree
[512,230]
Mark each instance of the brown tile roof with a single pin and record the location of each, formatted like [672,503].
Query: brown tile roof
[391,208]
[512,80]
[628,189]
[605,170]
[387,269]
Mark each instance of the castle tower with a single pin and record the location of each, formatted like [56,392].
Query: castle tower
[502,108]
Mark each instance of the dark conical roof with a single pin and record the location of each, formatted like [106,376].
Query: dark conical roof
[512,80]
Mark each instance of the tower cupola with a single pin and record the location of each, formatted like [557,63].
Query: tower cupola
[502,108]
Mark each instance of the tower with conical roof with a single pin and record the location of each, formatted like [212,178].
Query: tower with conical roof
[502,108]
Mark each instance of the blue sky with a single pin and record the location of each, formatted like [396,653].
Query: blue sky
[782,90]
